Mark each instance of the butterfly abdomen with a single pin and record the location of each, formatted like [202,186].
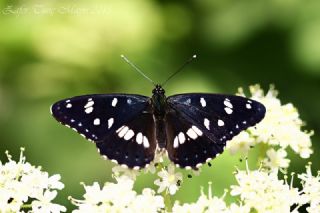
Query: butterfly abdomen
[160,133]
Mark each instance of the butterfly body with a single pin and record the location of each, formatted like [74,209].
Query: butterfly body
[159,105]
[128,129]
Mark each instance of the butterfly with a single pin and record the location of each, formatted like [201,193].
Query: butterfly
[129,129]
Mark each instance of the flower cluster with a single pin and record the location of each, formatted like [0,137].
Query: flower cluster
[118,197]
[280,129]
[311,189]
[260,191]
[169,180]
[265,189]
[25,188]
[205,204]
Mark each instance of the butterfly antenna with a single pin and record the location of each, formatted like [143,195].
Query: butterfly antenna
[137,69]
[181,68]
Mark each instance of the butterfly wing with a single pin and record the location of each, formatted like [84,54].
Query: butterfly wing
[200,124]
[187,146]
[113,122]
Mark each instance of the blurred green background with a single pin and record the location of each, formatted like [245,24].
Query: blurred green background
[50,50]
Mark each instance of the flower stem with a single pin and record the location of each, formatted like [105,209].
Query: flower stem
[26,206]
[166,196]
[167,201]
[262,152]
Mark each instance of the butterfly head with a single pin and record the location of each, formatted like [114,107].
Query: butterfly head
[158,100]
[158,90]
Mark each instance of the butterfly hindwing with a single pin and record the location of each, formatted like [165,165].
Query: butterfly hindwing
[187,145]
[133,144]
[217,119]
[97,116]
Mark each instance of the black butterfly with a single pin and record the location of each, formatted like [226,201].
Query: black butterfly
[128,129]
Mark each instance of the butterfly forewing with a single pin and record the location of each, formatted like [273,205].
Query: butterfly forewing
[120,125]
[211,119]
[97,116]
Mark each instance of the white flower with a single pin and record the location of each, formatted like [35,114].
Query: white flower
[311,188]
[235,208]
[44,205]
[168,180]
[118,197]
[148,202]
[276,159]
[241,144]
[120,170]
[204,204]
[265,189]
[93,193]
[158,159]
[21,182]
[281,126]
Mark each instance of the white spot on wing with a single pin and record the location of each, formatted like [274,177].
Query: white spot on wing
[114,102]
[110,122]
[96,122]
[69,105]
[199,165]
[203,102]
[248,106]
[90,103]
[227,103]
[129,135]
[139,138]
[123,131]
[188,167]
[67,101]
[228,110]
[145,142]
[220,123]
[175,142]
[192,134]
[118,130]
[88,110]
[129,101]
[207,123]
[197,130]
[182,138]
